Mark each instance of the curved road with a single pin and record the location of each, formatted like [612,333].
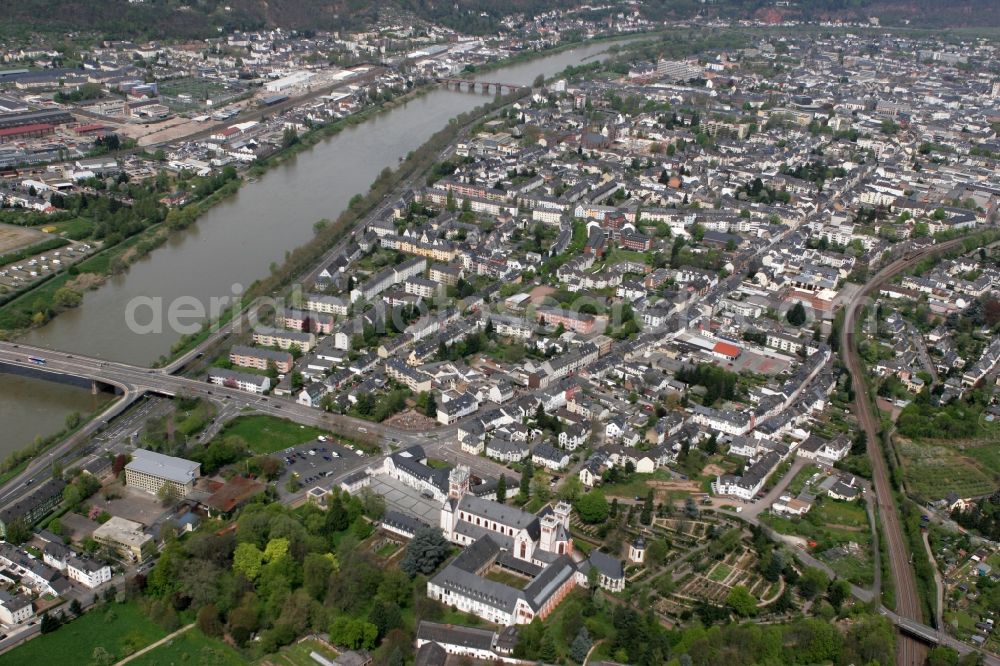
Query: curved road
[911,652]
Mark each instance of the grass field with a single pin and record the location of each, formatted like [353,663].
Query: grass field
[118,629]
[76,228]
[267,434]
[934,470]
[191,647]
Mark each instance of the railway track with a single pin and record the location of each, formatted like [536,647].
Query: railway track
[911,651]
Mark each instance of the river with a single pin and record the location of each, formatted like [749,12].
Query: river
[236,241]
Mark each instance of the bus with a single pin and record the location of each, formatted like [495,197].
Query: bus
[36,360]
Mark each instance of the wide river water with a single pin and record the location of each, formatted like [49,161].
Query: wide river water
[235,243]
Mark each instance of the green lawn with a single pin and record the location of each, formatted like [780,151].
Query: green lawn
[719,573]
[796,485]
[388,550]
[507,578]
[267,434]
[191,647]
[118,629]
[76,228]
[635,486]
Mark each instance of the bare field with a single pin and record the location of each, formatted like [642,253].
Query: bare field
[168,130]
[13,237]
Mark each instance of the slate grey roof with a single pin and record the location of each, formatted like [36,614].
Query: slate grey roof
[501,513]
[607,565]
[451,634]
[552,577]
[402,522]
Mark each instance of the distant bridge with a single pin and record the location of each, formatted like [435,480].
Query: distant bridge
[484,87]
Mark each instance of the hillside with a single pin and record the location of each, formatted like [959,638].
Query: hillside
[181,19]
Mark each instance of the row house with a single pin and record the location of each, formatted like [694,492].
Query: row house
[307,320]
[325,304]
[416,380]
[452,408]
[258,384]
[260,359]
[275,337]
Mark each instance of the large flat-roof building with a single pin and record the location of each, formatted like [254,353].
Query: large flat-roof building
[150,471]
[127,537]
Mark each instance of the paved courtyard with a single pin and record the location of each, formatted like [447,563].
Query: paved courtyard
[406,500]
[133,504]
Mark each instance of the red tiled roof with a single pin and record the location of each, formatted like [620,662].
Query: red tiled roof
[15,131]
[726,349]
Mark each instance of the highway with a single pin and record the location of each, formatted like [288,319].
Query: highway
[908,606]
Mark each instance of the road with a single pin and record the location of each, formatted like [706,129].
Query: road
[911,652]
[136,381]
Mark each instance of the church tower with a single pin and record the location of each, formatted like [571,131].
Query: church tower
[562,511]
[458,481]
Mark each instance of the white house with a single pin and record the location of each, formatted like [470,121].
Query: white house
[87,572]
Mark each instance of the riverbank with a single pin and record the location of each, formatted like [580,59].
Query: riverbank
[328,234]
[38,304]
[305,257]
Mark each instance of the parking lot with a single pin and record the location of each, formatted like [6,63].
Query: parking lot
[316,462]
[405,499]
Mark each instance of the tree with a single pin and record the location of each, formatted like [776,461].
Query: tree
[813,583]
[49,623]
[118,465]
[502,489]
[942,656]
[426,551]
[66,298]
[547,648]
[289,138]
[838,592]
[18,531]
[100,656]
[373,503]
[592,507]
[524,491]
[580,646]
[353,633]
[741,601]
[690,508]
[208,620]
[75,607]
[646,517]
[248,560]
[571,489]
[797,314]
[167,495]
[385,617]
[656,552]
